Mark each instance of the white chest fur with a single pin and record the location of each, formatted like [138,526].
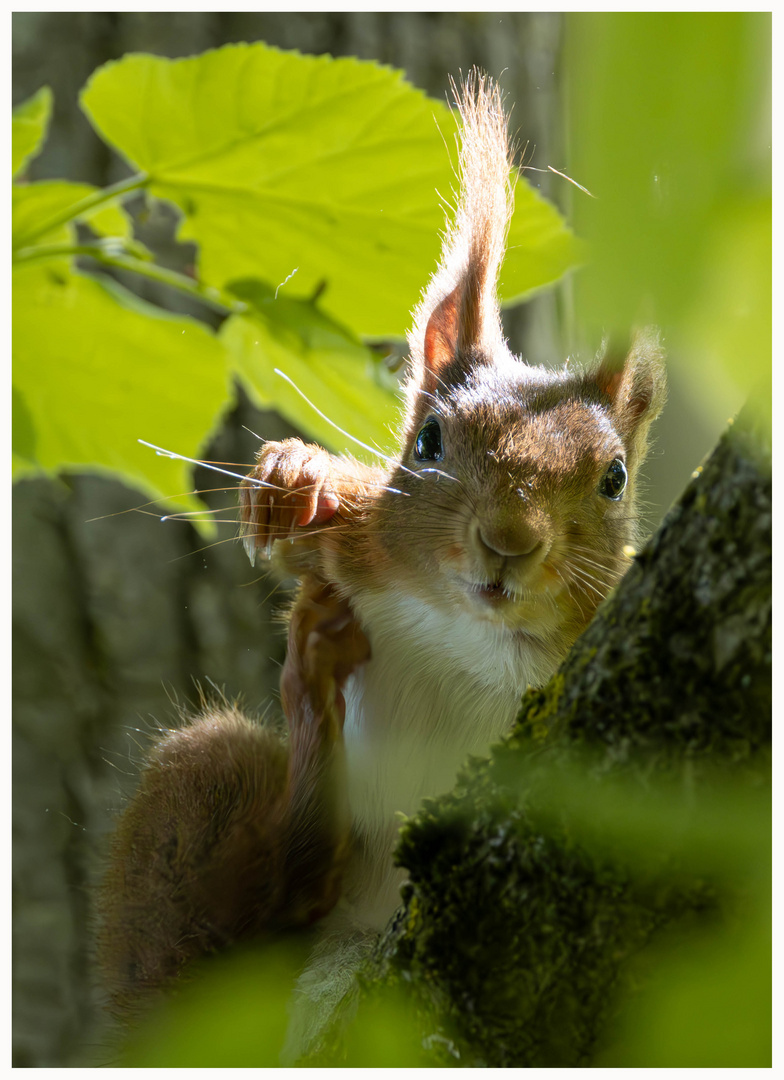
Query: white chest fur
[438,687]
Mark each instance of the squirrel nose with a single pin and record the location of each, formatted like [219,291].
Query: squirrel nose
[518,541]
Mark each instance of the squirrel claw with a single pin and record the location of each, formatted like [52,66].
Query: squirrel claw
[249,543]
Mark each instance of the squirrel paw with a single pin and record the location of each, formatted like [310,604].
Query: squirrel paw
[326,644]
[289,489]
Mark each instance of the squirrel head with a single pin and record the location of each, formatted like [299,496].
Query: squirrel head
[516,492]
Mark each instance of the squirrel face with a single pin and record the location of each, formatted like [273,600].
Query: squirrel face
[515,491]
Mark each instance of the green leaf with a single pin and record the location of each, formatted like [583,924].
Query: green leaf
[233,1016]
[330,168]
[35,204]
[236,1013]
[324,360]
[28,128]
[96,369]
[540,247]
[22,435]
[673,138]
[705,1000]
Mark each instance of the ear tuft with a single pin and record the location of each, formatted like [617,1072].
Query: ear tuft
[636,383]
[459,314]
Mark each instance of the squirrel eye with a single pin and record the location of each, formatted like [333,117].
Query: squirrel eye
[428,446]
[614,480]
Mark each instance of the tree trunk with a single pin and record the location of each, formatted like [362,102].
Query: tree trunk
[632,796]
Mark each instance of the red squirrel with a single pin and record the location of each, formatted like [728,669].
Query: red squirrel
[434,589]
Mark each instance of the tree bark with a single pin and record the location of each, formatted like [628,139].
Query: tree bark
[607,814]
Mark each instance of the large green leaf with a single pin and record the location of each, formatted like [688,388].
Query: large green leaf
[28,128]
[540,247]
[96,369]
[325,361]
[330,168]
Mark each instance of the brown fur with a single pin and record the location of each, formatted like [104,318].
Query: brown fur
[504,546]
[232,831]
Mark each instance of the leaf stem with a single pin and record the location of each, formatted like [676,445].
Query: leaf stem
[88,203]
[213,297]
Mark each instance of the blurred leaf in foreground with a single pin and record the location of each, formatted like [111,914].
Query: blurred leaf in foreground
[236,1015]
[233,1016]
[674,139]
[704,1002]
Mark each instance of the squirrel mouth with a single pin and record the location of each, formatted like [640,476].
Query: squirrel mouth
[494,592]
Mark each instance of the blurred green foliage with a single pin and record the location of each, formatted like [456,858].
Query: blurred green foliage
[704,999]
[235,1014]
[231,1016]
[703,987]
[670,130]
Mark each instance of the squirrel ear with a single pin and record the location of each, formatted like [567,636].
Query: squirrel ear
[445,335]
[636,384]
[454,327]
[441,332]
